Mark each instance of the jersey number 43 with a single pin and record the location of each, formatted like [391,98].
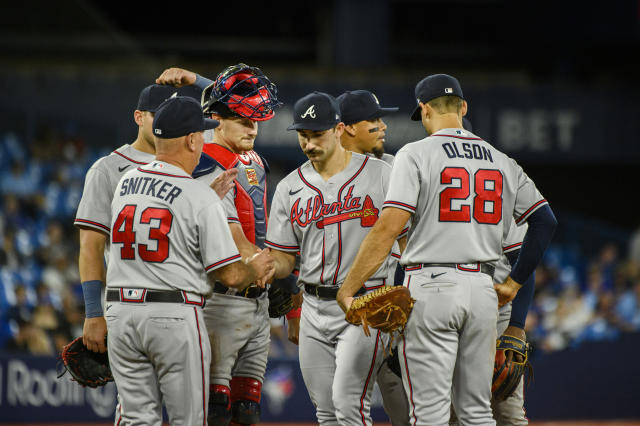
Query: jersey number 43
[486,201]
[126,236]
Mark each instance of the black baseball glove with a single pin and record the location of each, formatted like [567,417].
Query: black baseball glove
[280,292]
[512,360]
[88,368]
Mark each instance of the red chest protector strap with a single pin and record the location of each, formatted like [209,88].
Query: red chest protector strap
[245,205]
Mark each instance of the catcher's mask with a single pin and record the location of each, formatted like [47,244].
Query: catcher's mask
[241,90]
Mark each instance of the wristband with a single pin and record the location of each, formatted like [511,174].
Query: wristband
[294,313]
[92,290]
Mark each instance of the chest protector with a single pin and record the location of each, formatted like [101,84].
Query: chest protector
[250,190]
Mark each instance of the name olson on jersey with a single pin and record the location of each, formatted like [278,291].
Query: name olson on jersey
[349,208]
[152,187]
[471,151]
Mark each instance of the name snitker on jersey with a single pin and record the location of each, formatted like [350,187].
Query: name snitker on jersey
[149,186]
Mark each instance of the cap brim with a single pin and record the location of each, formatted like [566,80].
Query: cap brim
[416,114]
[385,111]
[210,123]
[316,127]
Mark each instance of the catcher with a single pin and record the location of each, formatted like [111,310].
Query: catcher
[240,98]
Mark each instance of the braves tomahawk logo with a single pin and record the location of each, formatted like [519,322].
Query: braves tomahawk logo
[311,112]
[349,207]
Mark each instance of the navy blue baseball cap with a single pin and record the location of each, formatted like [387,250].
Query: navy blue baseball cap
[433,87]
[152,96]
[359,105]
[179,116]
[317,111]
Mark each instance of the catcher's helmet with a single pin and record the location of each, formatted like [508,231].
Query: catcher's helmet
[243,91]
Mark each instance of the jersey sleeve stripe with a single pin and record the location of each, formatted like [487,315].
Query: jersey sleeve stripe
[223,262]
[404,232]
[233,220]
[281,247]
[130,159]
[91,224]
[511,247]
[397,256]
[399,205]
[459,137]
[163,174]
[531,210]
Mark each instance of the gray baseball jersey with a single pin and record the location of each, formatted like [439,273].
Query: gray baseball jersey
[168,230]
[393,396]
[511,243]
[462,193]
[511,410]
[327,222]
[94,210]
[314,216]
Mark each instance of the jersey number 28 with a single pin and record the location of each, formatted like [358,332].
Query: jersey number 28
[127,236]
[487,186]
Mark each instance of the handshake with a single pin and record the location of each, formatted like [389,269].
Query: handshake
[263,266]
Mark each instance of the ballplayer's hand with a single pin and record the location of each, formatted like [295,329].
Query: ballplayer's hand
[293,330]
[93,333]
[224,182]
[344,301]
[297,300]
[176,77]
[264,265]
[506,291]
[520,334]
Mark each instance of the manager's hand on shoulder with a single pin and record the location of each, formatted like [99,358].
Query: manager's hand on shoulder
[224,182]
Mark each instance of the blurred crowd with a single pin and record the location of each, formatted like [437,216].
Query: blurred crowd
[578,298]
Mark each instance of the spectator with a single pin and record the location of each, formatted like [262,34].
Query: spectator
[627,309]
[30,339]
[19,181]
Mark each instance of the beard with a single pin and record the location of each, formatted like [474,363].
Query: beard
[378,151]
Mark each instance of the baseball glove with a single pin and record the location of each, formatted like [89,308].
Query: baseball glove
[512,359]
[86,367]
[280,292]
[386,309]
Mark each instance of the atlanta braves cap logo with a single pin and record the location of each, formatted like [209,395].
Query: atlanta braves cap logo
[311,112]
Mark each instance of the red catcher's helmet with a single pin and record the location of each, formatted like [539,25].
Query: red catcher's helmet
[243,91]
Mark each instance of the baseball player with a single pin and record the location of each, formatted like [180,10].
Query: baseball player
[240,98]
[94,211]
[169,241]
[364,133]
[460,193]
[324,209]
[511,320]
